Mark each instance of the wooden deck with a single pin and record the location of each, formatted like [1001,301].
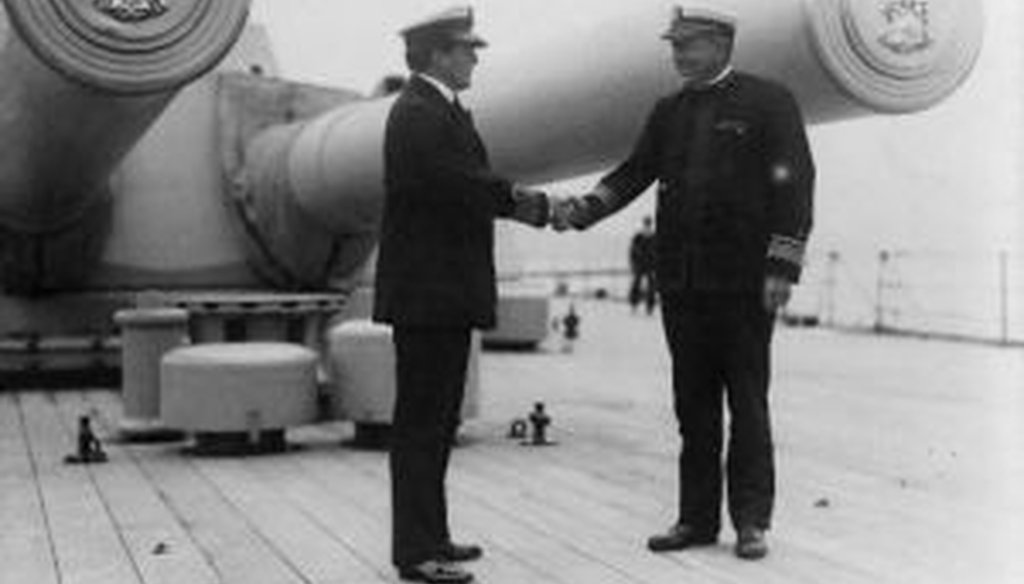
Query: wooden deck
[900,461]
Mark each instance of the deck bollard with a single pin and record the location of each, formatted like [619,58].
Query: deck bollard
[146,334]
[89,450]
[539,422]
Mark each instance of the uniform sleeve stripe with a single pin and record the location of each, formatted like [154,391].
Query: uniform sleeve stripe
[787,249]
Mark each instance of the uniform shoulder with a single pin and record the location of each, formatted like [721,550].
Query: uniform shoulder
[665,102]
[762,86]
[413,101]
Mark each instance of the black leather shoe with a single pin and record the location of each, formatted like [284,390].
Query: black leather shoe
[435,572]
[680,537]
[750,544]
[454,552]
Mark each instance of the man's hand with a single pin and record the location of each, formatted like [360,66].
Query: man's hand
[777,291]
[533,206]
[561,211]
[575,212]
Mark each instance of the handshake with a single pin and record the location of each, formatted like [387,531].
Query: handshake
[539,209]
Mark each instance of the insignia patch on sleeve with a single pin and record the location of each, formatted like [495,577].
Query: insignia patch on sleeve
[787,249]
[781,174]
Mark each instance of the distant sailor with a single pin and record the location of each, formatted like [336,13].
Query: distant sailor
[641,264]
[735,183]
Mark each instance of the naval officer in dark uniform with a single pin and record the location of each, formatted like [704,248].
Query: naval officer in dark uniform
[435,279]
[735,180]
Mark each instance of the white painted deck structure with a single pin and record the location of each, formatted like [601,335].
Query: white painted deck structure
[899,461]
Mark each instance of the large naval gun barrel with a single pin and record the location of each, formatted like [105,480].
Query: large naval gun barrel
[576,104]
[82,81]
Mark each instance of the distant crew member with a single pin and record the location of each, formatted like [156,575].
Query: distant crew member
[735,182]
[641,265]
[435,279]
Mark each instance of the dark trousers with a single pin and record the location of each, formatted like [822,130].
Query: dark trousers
[720,344]
[642,288]
[431,379]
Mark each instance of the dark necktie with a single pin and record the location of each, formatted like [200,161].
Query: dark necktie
[463,113]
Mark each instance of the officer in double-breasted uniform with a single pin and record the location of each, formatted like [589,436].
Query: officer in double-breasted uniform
[735,179]
[435,279]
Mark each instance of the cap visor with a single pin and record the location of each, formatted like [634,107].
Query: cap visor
[469,39]
[694,29]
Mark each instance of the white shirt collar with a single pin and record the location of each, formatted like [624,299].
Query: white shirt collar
[446,91]
[717,79]
[721,76]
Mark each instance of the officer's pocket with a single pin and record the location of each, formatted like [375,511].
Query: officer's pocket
[732,128]
[732,140]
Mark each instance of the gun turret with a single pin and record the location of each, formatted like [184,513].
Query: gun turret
[576,104]
[114,180]
[82,81]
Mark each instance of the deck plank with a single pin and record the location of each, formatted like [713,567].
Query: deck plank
[898,461]
[583,464]
[357,477]
[344,519]
[567,499]
[513,552]
[872,424]
[87,543]
[157,541]
[236,550]
[25,544]
[291,531]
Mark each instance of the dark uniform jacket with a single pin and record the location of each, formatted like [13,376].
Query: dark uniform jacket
[735,185]
[436,260]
